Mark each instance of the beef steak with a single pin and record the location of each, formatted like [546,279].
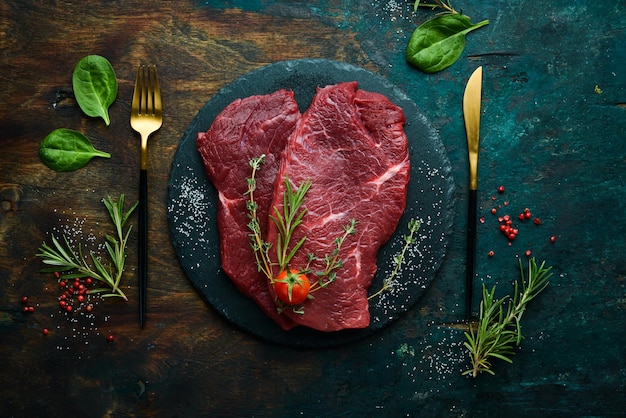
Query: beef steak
[352,146]
[245,129]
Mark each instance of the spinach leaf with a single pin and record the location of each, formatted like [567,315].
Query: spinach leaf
[66,150]
[437,43]
[95,86]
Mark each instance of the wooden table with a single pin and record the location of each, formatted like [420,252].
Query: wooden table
[553,133]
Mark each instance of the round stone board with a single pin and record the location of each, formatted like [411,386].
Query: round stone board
[192,205]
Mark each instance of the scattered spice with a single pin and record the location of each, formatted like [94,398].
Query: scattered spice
[26,308]
[506,227]
[75,294]
[76,300]
[63,257]
[510,226]
[505,222]
[398,259]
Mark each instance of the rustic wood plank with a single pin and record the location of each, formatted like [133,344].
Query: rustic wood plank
[198,51]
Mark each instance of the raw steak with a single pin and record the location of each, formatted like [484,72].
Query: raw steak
[352,146]
[245,129]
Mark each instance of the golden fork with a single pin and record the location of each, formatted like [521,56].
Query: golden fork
[146,118]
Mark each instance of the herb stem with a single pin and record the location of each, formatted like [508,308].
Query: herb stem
[498,329]
[333,262]
[414,226]
[438,4]
[63,258]
[288,221]
[259,246]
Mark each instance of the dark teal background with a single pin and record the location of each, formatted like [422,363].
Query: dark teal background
[553,133]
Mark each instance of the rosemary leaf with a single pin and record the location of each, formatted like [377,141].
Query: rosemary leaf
[286,223]
[499,329]
[65,258]
[438,4]
[398,259]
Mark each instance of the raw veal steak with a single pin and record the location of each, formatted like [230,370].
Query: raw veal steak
[352,146]
[245,129]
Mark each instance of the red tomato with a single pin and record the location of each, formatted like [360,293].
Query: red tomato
[291,288]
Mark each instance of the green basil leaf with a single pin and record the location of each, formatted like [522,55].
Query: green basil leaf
[437,43]
[95,86]
[66,150]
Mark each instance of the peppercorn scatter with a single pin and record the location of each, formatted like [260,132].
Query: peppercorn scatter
[508,225]
[76,294]
[26,306]
[76,303]
[71,317]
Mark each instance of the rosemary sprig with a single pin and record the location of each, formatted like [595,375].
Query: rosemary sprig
[63,258]
[286,223]
[260,247]
[499,329]
[398,259]
[332,261]
[438,4]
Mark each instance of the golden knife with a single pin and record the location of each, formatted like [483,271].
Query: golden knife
[471,114]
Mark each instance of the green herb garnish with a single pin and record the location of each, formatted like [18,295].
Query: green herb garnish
[95,86]
[286,223]
[439,42]
[443,4]
[63,258]
[498,330]
[67,150]
[261,248]
[332,261]
[398,259]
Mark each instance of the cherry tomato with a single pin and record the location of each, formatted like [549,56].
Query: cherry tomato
[291,287]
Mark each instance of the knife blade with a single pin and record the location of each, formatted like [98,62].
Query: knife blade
[471,114]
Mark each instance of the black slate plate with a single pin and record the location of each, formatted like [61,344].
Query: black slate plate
[192,205]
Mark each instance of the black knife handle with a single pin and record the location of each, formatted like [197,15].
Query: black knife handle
[471,251]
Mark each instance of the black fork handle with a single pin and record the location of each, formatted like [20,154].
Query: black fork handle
[143,245]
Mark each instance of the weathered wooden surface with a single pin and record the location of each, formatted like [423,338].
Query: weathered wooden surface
[553,134]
